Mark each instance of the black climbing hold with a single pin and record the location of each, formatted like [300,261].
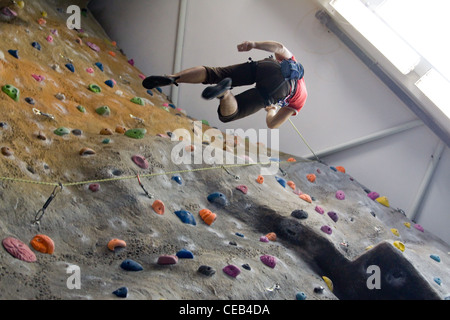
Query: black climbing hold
[36,45]
[121,292]
[299,214]
[233,243]
[318,289]
[3,124]
[131,265]
[77,132]
[206,270]
[246,266]
[30,101]
[14,53]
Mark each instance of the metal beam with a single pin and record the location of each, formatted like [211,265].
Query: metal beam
[366,139]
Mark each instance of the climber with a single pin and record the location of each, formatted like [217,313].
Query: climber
[272,87]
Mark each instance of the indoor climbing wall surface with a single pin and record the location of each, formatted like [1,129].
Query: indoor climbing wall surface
[93,207]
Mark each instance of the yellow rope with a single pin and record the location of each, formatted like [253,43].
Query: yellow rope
[134,176]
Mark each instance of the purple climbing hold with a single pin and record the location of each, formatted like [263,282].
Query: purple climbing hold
[140,161]
[319,210]
[419,227]
[333,215]
[268,260]
[131,61]
[93,46]
[326,229]
[242,188]
[373,195]
[232,270]
[264,239]
[340,195]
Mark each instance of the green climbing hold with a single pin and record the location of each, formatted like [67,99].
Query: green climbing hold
[137,133]
[61,131]
[165,108]
[95,88]
[103,111]
[81,109]
[106,141]
[11,91]
[138,100]
[206,123]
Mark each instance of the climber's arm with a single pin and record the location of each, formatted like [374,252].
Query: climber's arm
[280,51]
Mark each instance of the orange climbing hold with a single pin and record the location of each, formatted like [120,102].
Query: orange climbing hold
[43,243]
[340,169]
[113,54]
[291,160]
[311,177]
[260,179]
[207,216]
[114,243]
[291,184]
[272,236]
[305,197]
[158,207]
[121,129]
[106,132]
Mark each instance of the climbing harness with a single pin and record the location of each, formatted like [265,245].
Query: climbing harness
[40,213]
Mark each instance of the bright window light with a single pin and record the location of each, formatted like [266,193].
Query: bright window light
[437,89]
[393,47]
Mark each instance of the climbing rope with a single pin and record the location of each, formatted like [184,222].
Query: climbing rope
[295,128]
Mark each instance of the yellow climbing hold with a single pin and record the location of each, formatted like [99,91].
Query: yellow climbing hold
[395,231]
[328,282]
[383,200]
[21,4]
[369,247]
[407,224]
[400,246]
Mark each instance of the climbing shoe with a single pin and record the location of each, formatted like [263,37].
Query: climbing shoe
[159,81]
[216,91]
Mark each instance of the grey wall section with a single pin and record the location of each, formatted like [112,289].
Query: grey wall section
[346,99]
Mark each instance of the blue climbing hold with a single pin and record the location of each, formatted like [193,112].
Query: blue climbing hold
[109,83]
[36,45]
[274,159]
[121,292]
[70,67]
[150,92]
[186,217]
[185,254]
[177,179]
[239,234]
[172,106]
[218,198]
[435,257]
[437,280]
[159,89]
[281,181]
[99,65]
[131,265]
[300,296]
[14,53]
[333,168]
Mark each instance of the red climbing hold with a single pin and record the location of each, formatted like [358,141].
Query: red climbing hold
[167,259]
[18,249]
[140,161]
[242,188]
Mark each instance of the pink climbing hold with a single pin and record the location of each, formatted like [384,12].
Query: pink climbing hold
[167,259]
[18,249]
[319,210]
[373,195]
[268,260]
[242,188]
[38,77]
[232,270]
[419,227]
[140,161]
[49,39]
[93,46]
[340,195]
[90,70]
[142,76]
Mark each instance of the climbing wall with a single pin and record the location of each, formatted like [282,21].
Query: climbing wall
[93,207]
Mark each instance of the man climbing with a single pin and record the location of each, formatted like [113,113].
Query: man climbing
[270,88]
